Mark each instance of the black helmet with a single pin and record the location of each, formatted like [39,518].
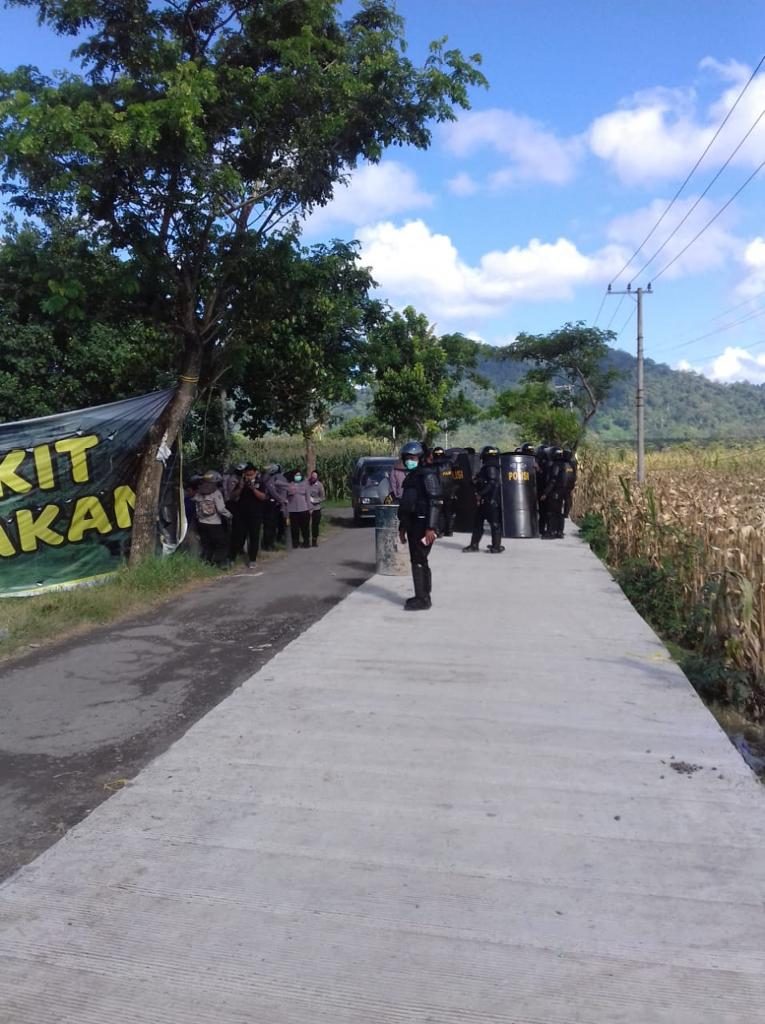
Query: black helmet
[527,449]
[488,451]
[413,449]
[556,453]
[438,452]
[568,454]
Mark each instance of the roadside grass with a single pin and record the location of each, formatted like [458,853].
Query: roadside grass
[28,622]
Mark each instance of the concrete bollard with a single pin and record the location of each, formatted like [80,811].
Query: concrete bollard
[392,557]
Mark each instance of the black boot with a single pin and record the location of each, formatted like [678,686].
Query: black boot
[471,547]
[497,546]
[428,583]
[421,601]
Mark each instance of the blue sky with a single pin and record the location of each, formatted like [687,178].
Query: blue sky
[523,210]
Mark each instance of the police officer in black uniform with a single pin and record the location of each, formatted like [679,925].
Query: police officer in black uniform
[571,468]
[419,512]
[542,455]
[488,489]
[445,470]
[554,495]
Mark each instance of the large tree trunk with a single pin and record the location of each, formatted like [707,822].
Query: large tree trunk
[309,436]
[170,424]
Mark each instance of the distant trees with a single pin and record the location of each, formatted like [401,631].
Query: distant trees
[568,381]
[416,375]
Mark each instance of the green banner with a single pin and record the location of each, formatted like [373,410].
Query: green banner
[67,493]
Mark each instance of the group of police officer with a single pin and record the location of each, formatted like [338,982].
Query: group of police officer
[428,501]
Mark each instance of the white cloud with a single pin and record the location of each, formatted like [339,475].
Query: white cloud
[713,249]
[754,262]
[734,364]
[462,185]
[374,191]
[414,264]
[659,134]
[535,153]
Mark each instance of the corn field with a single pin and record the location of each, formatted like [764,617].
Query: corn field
[335,458]
[701,512]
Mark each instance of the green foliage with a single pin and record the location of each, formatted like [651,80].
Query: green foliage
[592,529]
[303,345]
[192,132]
[540,412]
[417,375]
[656,591]
[572,358]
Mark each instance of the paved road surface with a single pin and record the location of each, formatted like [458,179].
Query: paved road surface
[78,717]
[512,809]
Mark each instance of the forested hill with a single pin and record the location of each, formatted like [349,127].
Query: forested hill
[679,405]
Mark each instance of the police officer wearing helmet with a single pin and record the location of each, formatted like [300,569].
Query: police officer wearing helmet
[488,488]
[445,470]
[554,495]
[419,512]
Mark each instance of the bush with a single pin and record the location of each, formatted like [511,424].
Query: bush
[657,594]
[592,528]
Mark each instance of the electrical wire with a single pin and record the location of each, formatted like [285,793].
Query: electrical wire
[710,222]
[691,172]
[732,309]
[719,330]
[622,297]
[600,308]
[688,212]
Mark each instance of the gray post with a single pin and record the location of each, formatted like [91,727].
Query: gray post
[640,395]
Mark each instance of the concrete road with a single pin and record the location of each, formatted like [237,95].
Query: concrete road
[511,809]
[77,718]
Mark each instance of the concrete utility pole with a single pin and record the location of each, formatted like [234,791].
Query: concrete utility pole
[640,390]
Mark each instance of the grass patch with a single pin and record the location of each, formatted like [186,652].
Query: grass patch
[35,621]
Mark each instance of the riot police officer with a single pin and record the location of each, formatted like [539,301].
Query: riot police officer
[445,470]
[571,468]
[488,488]
[419,512]
[542,455]
[554,494]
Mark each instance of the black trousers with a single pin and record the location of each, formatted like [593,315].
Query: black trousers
[246,531]
[271,513]
[213,539]
[555,514]
[487,512]
[300,528]
[315,524]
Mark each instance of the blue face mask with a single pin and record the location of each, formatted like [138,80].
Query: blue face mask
[298,477]
[411,463]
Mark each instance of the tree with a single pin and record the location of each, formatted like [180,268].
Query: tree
[66,337]
[302,352]
[417,375]
[573,357]
[193,130]
[540,412]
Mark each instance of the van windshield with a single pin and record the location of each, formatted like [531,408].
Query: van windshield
[374,475]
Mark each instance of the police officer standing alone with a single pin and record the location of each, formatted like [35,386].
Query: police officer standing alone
[419,512]
[488,488]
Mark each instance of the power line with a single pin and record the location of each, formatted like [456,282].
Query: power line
[688,213]
[732,309]
[621,329]
[613,315]
[710,222]
[691,172]
[719,330]
[600,308]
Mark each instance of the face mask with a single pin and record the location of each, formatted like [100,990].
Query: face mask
[298,478]
[411,463]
